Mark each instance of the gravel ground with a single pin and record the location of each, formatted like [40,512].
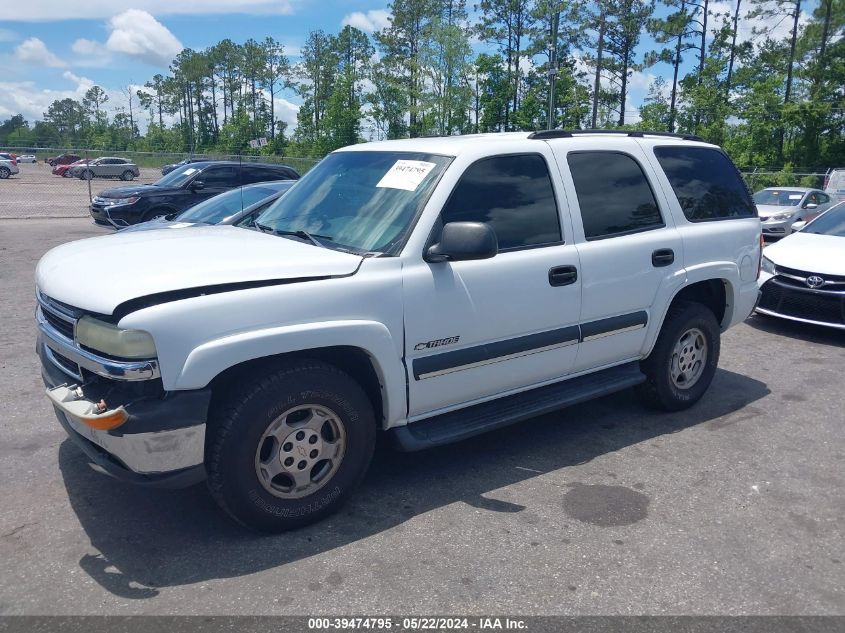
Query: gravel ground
[732,507]
[36,193]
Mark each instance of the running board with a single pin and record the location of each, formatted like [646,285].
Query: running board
[494,414]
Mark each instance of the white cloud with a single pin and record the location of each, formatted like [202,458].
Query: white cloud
[7,35]
[286,111]
[369,22]
[34,51]
[55,10]
[24,97]
[779,27]
[87,47]
[138,34]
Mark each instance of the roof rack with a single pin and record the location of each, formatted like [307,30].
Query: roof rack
[548,134]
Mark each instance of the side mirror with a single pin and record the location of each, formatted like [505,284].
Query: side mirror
[197,185]
[811,205]
[798,226]
[461,241]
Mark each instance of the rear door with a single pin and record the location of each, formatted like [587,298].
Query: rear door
[627,244]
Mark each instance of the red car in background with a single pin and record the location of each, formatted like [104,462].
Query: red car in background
[63,159]
[61,170]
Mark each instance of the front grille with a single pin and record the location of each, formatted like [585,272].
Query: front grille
[64,327]
[66,364]
[832,282]
[803,303]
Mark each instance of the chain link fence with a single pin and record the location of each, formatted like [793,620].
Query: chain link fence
[48,188]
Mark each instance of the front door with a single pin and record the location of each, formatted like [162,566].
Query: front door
[476,329]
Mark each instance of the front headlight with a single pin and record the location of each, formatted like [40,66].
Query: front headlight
[782,216]
[114,341]
[113,202]
[767,265]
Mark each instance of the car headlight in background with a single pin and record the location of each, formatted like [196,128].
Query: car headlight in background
[782,216]
[113,202]
[114,341]
[768,265]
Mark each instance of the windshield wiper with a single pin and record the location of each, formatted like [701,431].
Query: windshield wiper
[305,235]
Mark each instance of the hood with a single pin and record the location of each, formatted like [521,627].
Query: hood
[159,223]
[768,210]
[823,254]
[131,190]
[98,274]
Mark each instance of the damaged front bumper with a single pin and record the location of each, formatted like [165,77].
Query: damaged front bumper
[158,440]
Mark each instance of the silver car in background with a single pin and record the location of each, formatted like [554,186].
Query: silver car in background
[105,167]
[8,166]
[780,207]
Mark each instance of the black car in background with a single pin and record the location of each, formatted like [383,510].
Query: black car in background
[180,189]
[166,169]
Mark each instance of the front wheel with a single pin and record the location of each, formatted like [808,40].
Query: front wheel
[87,175]
[683,362]
[288,449]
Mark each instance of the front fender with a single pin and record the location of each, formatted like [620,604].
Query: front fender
[213,357]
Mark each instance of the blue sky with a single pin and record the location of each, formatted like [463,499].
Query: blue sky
[51,49]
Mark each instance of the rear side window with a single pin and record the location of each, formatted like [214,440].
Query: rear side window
[613,194]
[707,184]
[513,194]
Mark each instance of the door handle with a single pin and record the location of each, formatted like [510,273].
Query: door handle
[662,257]
[563,275]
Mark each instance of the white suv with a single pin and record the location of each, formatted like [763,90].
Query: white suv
[431,289]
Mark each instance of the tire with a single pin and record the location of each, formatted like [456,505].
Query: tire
[678,373]
[5,172]
[259,422]
[152,214]
[127,175]
[87,175]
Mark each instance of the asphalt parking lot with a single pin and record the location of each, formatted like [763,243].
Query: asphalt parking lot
[36,193]
[733,507]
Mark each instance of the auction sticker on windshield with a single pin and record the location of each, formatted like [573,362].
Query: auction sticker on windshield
[406,174]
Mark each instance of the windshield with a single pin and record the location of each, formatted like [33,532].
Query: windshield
[363,200]
[831,222]
[220,207]
[177,177]
[778,197]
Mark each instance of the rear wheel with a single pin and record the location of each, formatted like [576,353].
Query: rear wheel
[683,362]
[5,172]
[127,175]
[288,449]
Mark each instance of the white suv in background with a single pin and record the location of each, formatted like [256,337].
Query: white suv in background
[430,289]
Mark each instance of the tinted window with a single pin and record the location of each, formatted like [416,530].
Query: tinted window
[220,207]
[220,177]
[513,194]
[261,174]
[613,193]
[707,184]
[832,222]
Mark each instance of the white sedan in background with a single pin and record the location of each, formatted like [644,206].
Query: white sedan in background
[803,275]
[27,158]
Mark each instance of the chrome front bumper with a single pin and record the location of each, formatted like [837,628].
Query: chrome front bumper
[143,453]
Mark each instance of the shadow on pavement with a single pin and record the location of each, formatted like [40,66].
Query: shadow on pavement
[795,329]
[154,538]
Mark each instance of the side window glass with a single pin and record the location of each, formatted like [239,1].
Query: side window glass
[613,194]
[220,177]
[706,183]
[513,194]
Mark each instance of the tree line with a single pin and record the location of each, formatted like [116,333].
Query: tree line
[773,101]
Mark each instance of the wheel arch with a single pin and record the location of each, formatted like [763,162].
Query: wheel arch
[352,360]
[716,293]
